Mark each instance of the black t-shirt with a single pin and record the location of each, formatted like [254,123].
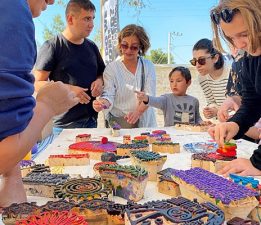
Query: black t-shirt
[74,64]
[250,110]
[235,79]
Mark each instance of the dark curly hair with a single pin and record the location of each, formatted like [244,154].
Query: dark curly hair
[206,44]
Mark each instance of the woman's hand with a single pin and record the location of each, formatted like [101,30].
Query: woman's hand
[132,117]
[210,112]
[223,132]
[228,105]
[242,167]
[100,104]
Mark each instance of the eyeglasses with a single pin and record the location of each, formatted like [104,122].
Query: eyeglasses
[201,61]
[133,48]
[226,15]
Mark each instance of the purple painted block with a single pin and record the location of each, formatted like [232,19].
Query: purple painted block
[214,185]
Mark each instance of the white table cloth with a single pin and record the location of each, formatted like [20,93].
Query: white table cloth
[180,160]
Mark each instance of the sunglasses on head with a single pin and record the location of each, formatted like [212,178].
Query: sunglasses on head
[133,48]
[201,61]
[226,15]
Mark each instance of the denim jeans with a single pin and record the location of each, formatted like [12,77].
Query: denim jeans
[85,123]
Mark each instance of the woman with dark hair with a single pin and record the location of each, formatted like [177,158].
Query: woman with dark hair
[125,75]
[213,75]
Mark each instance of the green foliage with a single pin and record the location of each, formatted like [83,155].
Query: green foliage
[157,56]
[136,4]
[56,28]
[62,3]
[97,38]
[58,24]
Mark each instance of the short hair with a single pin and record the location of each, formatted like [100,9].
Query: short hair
[206,44]
[184,72]
[76,6]
[139,32]
[251,13]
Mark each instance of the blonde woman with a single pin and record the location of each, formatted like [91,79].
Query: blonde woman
[123,76]
[239,22]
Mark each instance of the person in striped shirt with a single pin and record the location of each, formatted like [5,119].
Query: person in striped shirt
[213,75]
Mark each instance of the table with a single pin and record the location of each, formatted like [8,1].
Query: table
[180,160]
[177,161]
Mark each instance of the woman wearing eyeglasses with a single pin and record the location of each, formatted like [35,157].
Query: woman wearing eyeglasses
[239,22]
[213,75]
[125,75]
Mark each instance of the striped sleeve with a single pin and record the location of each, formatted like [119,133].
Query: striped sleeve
[215,90]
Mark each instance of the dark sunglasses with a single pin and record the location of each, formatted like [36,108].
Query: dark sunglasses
[226,15]
[201,61]
[132,47]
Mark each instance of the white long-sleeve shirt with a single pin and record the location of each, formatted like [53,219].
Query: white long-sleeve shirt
[124,100]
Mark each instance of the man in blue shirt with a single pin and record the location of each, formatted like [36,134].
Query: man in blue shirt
[21,116]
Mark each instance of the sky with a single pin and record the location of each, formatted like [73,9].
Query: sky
[188,20]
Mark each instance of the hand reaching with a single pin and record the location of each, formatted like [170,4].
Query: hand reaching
[223,132]
[81,94]
[210,112]
[228,105]
[100,104]
[132,117]
[97,87]
[242,167]
[57,97]
[141,96]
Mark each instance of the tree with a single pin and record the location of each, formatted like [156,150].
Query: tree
[56,28]
[58,24]
[97,38]
[157,56]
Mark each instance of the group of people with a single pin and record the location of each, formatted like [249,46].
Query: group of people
[69,75]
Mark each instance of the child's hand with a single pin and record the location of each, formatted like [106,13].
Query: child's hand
[141,96]
[210,112]
[100,104]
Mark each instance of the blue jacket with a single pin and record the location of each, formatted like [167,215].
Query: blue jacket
[17,57]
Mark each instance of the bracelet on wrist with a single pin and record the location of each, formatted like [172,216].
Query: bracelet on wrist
[146,102]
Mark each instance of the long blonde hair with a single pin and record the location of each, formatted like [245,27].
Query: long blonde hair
[251,13]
